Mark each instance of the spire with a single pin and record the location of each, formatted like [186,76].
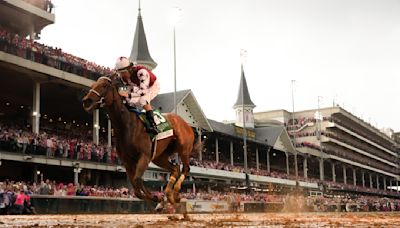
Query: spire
[246,96]
[140,51]
[244,106]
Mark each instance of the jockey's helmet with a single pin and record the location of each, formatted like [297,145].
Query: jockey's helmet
[122,64]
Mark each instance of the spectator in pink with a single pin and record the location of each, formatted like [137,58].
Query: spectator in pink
[19,202]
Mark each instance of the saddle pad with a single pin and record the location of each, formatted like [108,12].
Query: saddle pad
[163,126]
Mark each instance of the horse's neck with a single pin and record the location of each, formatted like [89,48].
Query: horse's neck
[121,119]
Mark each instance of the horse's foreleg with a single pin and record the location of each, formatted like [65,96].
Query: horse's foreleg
[147,193]
[130,173]
[137,191]
[141,192]
[141,167]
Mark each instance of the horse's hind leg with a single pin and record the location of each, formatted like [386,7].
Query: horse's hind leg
[163,162]
[178,183]
[185,170]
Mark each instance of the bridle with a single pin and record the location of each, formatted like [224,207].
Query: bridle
[101,102]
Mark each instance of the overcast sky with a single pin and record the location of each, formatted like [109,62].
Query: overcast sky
[342,50]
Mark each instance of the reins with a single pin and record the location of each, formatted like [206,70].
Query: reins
[101,102]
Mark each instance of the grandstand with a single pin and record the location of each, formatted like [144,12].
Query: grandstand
[45,133]
[341,147]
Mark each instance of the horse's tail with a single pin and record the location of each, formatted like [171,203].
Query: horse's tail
[197,145]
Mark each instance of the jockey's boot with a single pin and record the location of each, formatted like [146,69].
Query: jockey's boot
[151,126]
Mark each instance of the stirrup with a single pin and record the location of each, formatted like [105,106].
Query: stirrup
[150,128]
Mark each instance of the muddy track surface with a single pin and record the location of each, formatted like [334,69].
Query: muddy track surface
[206,220]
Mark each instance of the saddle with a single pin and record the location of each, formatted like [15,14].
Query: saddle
[164,127]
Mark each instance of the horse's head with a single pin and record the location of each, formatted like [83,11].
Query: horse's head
[100,94]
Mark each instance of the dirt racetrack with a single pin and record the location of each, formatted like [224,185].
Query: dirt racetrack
[206,220]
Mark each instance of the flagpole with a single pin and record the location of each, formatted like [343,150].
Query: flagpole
[244,131]
[243,56]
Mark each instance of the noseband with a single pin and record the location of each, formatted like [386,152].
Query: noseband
[101,102]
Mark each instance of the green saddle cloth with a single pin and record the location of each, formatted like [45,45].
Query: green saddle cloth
[161,122]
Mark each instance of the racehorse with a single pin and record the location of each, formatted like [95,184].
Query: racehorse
[133,144]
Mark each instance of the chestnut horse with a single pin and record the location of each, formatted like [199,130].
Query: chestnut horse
[133,144]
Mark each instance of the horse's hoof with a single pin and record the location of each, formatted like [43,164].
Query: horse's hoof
[156,199]
[159,207]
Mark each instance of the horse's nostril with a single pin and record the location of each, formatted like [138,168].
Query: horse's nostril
[87,102]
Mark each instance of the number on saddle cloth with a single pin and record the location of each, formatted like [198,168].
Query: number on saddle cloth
[161,122]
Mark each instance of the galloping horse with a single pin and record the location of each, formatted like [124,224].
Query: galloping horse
[133,144]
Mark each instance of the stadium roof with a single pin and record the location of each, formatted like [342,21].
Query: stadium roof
[277,137]
[165,102]
[274,136]
[227,129]
[24,17]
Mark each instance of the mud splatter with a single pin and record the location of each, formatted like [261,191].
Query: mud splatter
[386,220]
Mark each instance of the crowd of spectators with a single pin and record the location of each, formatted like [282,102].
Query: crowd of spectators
[348,154]
[294,125]
[12,139]
[366,134]
[10,202]
[216,165]
[77,147]
[356,188]
[54,57]
[233,196]
[352,203]
[15,197]
[282,175]
[348,140]
[343,152]
[236,168]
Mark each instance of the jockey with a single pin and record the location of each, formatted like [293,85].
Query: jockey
[142,87]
